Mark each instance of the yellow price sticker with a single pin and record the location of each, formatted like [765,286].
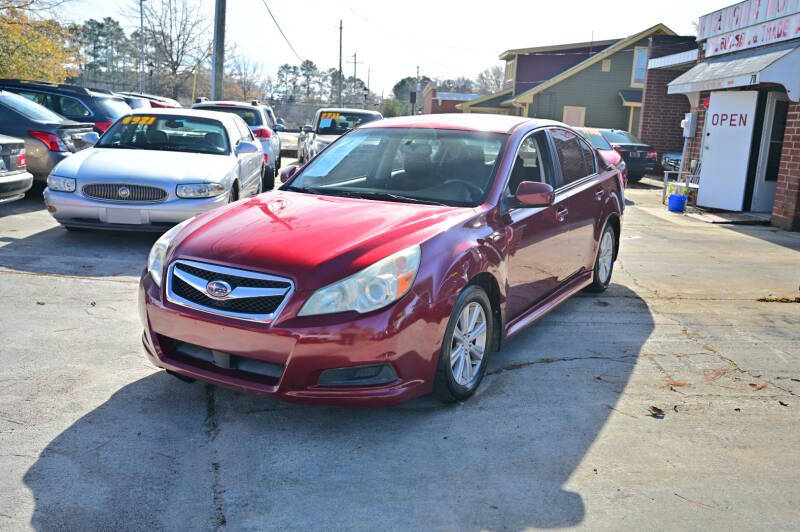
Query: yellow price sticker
[141,120]
[332,116]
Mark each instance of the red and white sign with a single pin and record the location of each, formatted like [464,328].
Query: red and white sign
[743,15]
[777,30]
[728,131]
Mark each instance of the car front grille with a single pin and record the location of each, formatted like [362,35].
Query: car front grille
[253,296]
[127,193]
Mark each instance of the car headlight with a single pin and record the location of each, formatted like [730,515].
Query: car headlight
[199,190]
[372,288]
[158,253]
[61,184]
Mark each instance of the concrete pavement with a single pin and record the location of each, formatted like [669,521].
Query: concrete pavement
[559,435]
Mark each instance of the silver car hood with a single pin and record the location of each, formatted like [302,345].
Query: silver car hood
[111,164]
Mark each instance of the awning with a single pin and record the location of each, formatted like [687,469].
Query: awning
[782,67]
[631,97]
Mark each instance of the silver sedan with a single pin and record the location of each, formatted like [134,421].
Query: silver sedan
[154,169]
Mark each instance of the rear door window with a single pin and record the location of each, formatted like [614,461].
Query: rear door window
[588,158]
[72,108]
[570,155]
[113,108]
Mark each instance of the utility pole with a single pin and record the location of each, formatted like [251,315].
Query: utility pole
[341,104]
[218,55]
[355,63]
[416,88]
[141,44]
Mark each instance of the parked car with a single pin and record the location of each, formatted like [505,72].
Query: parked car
[289,140]
[329,124]
[49,138]
[639,157]
[389,266]
[159,102]
[258,120]
[136,102]
[15,180]
[154,169]
[671,161]
[80,104]
[610,155]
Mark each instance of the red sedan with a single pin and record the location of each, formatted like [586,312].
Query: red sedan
[388,267]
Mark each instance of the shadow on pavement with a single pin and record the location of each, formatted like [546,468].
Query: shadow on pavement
[773,235]
[165,455]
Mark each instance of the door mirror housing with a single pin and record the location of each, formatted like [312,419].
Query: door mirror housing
[533,194]
[245,147]
[308,128]
[90,138]
[288,173]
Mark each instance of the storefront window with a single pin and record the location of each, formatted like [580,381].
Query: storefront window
[776,140]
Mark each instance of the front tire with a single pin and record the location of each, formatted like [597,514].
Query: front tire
[465,348]
[604,262]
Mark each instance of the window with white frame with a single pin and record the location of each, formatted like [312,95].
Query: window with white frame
[639,66]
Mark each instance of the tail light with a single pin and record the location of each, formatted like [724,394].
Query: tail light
[652,155]
[102,126]
[22,160]
[266,158]
[53,142]
[617,149]
[262,133]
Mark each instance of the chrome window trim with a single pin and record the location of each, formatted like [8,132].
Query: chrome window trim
[259,318]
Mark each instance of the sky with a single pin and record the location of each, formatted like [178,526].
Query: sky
[446,39]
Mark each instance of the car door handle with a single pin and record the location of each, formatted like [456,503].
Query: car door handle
[561,213]
[598,194]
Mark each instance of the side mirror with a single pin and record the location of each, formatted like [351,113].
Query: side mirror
[90,138]
[244,147]
[279,127]
[533,194]
[288,173]
[307,128]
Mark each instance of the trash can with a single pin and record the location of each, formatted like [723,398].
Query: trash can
[677,203]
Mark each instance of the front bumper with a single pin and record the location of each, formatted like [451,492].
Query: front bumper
[407,335]
[75,210]
[14,186]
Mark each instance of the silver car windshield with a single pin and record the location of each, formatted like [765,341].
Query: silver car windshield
[414,165]
[167,133]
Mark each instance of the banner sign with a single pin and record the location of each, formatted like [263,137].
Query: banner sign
[744,15]
[770,32]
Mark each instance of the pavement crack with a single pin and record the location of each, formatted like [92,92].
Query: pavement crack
[218,519]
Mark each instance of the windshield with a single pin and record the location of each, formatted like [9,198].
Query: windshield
[113,107]
[167,133]
[251,117]
[413,165]
[30,109]
[339,123]
[595,138]
[617,136]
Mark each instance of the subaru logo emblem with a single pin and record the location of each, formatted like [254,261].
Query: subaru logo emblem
[218,289]
[124,192]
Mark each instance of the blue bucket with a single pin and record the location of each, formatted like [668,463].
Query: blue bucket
[677,203]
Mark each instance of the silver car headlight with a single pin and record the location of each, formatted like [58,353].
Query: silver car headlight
[158,253]
[61,184]
[199,190]
[372,288]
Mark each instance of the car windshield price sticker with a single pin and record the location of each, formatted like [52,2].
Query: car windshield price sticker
[143,120]
[330,116]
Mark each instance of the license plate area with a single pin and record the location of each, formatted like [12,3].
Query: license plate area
[125,216]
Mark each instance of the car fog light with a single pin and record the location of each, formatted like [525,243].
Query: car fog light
[373,375]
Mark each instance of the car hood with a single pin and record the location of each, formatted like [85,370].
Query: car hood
[315,240]
[115,164]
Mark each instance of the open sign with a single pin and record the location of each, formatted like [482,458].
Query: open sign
[729,119]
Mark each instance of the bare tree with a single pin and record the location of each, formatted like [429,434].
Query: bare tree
[490,80]
[178,32]
[247,75]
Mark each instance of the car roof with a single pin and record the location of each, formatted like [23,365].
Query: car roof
[347,110]
[225,103]
[488,123]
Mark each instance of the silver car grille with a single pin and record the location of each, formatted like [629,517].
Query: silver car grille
[122,192]
[253,296]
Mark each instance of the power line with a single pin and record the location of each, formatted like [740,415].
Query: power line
[280,30]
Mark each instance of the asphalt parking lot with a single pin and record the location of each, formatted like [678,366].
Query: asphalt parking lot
[560,434]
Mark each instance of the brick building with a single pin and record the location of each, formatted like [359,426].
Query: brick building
[662,113]
[744,91]
[436,101]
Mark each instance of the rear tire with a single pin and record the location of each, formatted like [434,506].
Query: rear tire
[465,347]
[604,261]
[234,193]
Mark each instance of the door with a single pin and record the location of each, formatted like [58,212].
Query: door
[536,237]
[579,198]
[769,155]
[249,163]
[726,149]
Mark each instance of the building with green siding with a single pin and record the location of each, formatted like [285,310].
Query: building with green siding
[596,84]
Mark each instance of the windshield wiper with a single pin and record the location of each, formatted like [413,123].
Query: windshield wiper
[398,197]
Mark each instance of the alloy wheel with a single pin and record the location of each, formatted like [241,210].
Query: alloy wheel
[605,257]
[468,346]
